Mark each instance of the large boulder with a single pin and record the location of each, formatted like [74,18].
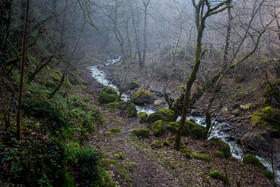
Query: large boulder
[159,128]
[143,117]
[196,131]
[142,96]
[272,93]
[268,118]
[256,142]
[162,114]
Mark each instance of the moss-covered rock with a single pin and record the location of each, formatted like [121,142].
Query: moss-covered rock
[272,93]
[172,127]
[268,118]
[112,107]
[108,95]
[142,96]
[253,160]
[162,114]
[196,131]
[159,128]
[217,175]
[165,143]
[143,117]
[133,85]
[141,133]
[236,112]
[222,146]
[256,142]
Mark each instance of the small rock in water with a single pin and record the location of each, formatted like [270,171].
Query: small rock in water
[227,129]
[192,120]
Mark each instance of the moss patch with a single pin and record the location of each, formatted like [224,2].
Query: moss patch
[159,128]
[162,114]
[142,96]
[113,132]
[141,133]
[217,175]
[223,146]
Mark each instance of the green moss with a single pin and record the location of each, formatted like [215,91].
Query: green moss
[268,174]
[112,132]
[201,156]
[143,117]
[133,85]
[166,143]
[105,98]
[224,147]
[159,128]
[119,156]
[272,93]
[217,175]
[252,160]
[142,133]
[267,117]
[219,154]
[108,95]
[162,114]
[187,152]
[156,145]
[142,96]
[172,127]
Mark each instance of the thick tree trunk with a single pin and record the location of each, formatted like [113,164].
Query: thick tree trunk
[18,118]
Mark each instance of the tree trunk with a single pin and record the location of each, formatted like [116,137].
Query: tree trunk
[18,118]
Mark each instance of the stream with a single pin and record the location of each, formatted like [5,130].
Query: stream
[236,149]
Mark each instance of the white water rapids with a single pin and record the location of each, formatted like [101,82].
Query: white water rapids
[236,149]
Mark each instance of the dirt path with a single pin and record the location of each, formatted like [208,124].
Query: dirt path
[146,172]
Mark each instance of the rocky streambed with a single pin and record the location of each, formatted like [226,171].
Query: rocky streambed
[221,129]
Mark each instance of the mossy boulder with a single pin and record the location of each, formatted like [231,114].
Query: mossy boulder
[268,118]
[219,154]
[143,117]
[236,112]
[217,175]
[112,107]
[252,160]
[133,85]
[141,133]
[142,96]
[159,128]
[222,146]
[108,95]
[196,131]
[162,114]
[272,93]
[256,142]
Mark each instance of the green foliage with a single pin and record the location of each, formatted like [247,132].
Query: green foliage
[222,146]
[141,133]
[50,112]
[113,106]
[162,114]
[132,111]
[159,128]
[166,143]
[108,95]
[119,156]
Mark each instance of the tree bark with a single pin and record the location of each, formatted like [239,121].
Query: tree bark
[18,117]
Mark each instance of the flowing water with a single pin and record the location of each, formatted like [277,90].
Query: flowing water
[236,149]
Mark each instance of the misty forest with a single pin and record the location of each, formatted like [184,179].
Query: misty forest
[140,93]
